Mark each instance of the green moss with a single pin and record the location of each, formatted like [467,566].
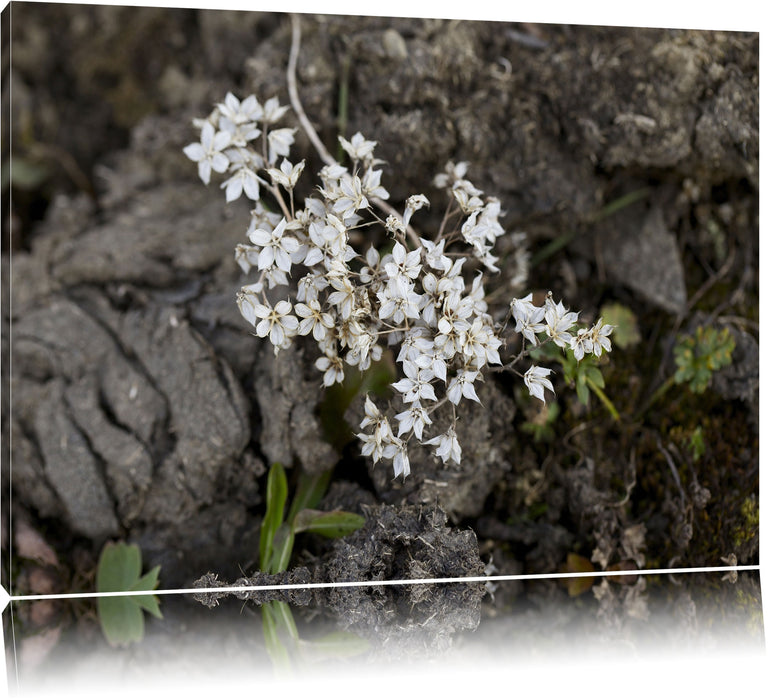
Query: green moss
[748,528]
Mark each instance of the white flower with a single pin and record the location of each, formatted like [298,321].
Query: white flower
[527,317]
[275,277]
[313,319]
[598,338]
[416,385]
[414,419]
[558,320]
[239,118]
[536,381]
[371,187]
[463,385]
[344,295]
[272,110]
[435,256]
[280,142]
[477,342]
[243,180]
[401,462]
[329,241]
[372,415]
[248,302]
[207,153]
[403,263]
[276,248]
[467,197]
[358,148]
[330,176]
[415,202]
[416,343]
[238,112]
[333,369]
[368,273]
[448,447]
[579,342]
[380,443]
[310,286]
[261,218]
[398,300]
[247,256]
[277,323]
[491,228]
[350,198]
[453,173]
[287,175]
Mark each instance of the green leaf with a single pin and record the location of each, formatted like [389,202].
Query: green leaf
[540,427]
[309,492]
[336,523]
[697,443]
[121,620]
[583,393]
[121,617]
[626,328]
[24,173]
[277,492]
[593,376]
[620,203]
[149,603]
[284,618]
[118,568]
[275,648]
[282,545]
[697,356]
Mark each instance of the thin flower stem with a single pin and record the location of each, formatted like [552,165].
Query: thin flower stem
[519,357]
[504,325]
[439,403]
[662,389]
[293,57]
[279,199]
[605,401]
[444,221]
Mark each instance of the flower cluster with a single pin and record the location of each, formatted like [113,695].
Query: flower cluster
[421,298]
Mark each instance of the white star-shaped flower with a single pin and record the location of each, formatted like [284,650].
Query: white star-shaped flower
[536,381]
[447,446]
[208,152]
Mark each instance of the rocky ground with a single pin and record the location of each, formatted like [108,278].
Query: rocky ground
[139,407]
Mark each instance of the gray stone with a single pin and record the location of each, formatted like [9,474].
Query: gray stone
[72,470]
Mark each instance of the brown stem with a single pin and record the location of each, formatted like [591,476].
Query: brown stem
[309,129]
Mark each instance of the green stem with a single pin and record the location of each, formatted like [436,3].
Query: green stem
[620,203]
[662,389]
[605,401]
[552,247]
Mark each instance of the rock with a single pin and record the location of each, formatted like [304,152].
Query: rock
[59,338]
[643,255]
[128,465]
[72,470]
[165,235]
[208,419]
[288,390]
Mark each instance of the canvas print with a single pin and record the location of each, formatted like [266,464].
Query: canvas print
[296,303]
